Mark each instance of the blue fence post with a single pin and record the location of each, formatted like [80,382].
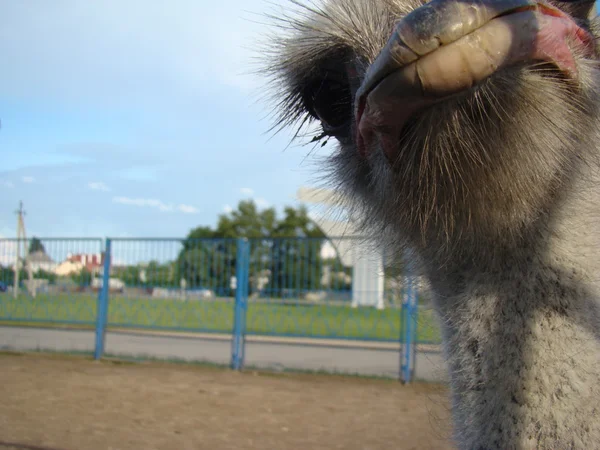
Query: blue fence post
[409,311]
[102,308]
[241,304]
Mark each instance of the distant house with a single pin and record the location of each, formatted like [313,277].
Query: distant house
[39,260]
[67,268]
[75,263]
[93,262]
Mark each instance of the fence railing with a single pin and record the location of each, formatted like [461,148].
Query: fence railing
[279,287]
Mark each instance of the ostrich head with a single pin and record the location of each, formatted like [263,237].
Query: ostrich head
[459,122]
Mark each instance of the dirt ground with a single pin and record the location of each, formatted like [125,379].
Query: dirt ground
[71,403]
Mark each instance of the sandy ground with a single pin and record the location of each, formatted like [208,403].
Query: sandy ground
[71,403]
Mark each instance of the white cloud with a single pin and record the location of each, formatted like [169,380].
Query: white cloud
[261,202]
[156,204]
[28,179]
[188,209]
[148,202]
[8,184]
[247,191]
[98,186]
[227,209]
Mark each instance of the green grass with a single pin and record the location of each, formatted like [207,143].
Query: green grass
[326,321]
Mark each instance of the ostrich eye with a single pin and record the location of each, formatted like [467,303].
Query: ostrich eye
[329,100]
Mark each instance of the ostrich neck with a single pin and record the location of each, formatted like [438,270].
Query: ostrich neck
[522,337]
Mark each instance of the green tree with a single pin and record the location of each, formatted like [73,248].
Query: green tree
[82,278]
[204,258]
[130,275]
[7,275]
[247,221]
[295,264]
[45,275]
[199,233]
[208,257]
[160,275]
[36,246]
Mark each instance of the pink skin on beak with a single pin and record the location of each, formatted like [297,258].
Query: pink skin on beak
[432,56]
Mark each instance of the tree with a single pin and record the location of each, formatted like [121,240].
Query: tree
[159,275]
[82,278]
[36,246]
[247,221]
[7,275]
[45,275]
[130,275]
[295,264]
[208,257]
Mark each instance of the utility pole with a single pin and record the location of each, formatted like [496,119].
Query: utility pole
[20,235]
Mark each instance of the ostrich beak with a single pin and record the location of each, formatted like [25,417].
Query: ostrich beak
[447,47]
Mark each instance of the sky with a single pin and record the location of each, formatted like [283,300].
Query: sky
[130,118]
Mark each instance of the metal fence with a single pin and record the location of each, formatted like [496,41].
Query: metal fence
[320,289]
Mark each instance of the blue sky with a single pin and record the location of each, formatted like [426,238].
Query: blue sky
[135,118]
[131,118]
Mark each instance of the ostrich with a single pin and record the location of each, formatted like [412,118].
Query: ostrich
[467,132]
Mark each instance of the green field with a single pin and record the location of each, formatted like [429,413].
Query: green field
[326,321]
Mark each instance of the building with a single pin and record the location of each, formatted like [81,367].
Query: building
[75,263]
[39,260]
[366,261]
[67,268]
[92,262]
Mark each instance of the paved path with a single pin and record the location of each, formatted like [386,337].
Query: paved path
[270,353]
